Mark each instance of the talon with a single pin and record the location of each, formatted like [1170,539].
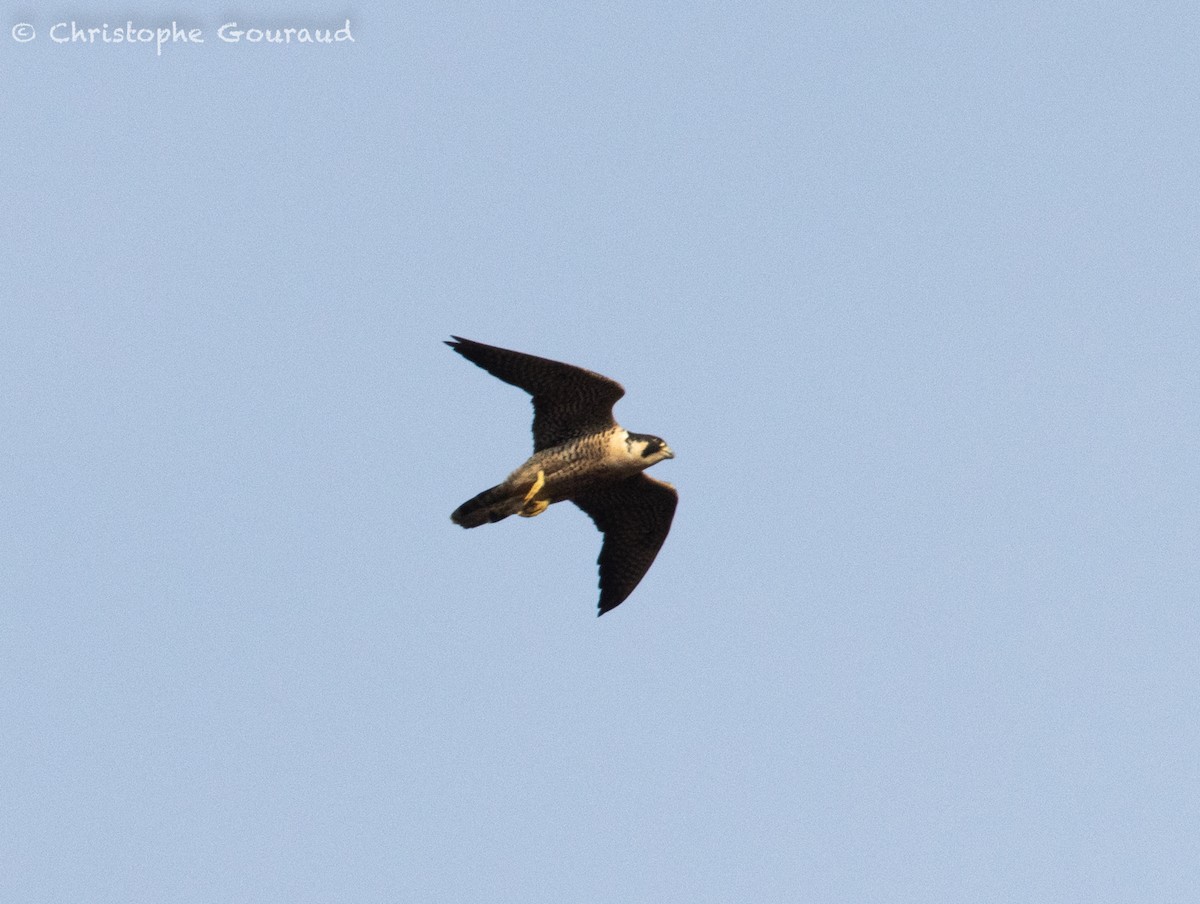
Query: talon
[531,506]
[536,488]
[533,509]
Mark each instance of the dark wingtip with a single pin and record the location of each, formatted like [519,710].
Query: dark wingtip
[607,606]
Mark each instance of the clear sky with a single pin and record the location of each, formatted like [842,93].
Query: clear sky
[910,288]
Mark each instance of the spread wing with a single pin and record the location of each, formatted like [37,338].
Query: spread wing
[568,402]
[634,515]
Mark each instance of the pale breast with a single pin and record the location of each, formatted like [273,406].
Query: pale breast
[578,464]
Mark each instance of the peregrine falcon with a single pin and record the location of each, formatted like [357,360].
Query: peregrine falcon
[579,453]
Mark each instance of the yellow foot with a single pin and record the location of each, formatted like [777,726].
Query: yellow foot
[537,486]
[534,506]
[533,509]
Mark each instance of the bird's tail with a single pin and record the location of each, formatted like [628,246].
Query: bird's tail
[488,507]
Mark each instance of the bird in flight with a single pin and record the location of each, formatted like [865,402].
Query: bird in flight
[582,454]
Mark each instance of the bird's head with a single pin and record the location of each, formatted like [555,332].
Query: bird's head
[651,449]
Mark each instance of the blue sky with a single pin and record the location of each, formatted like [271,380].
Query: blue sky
[910,289]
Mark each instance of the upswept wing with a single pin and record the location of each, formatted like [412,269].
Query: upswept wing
[568,402]
[635,516]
